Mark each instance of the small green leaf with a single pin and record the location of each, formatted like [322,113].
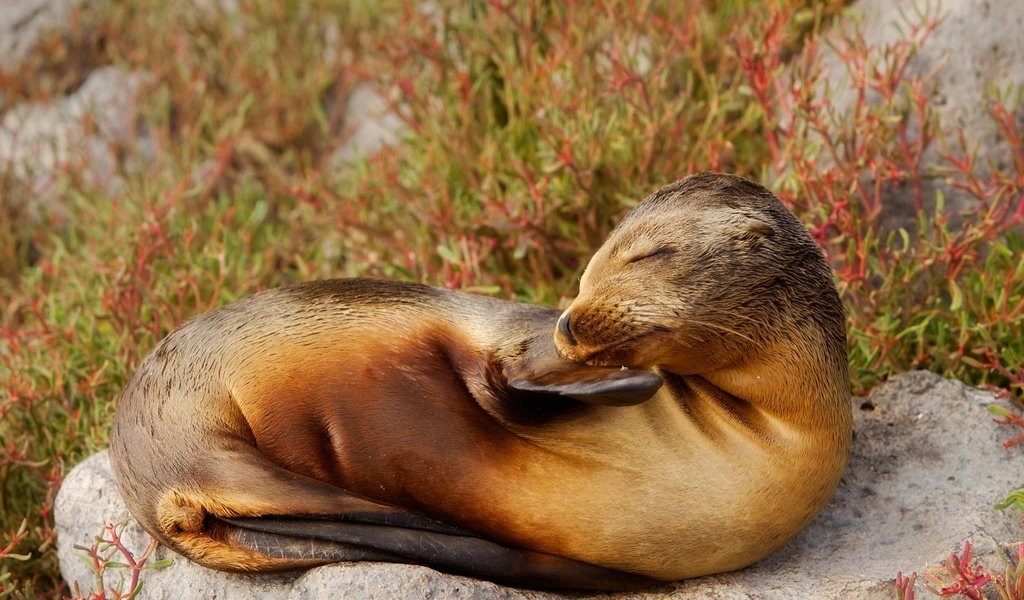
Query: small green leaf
[488,290]
[999,411]
[160,564]
[906,239]
[447,254]
[1015,499]
[259,213]
[956,296]
[803,16]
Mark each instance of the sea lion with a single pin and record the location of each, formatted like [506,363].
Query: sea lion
[687,414]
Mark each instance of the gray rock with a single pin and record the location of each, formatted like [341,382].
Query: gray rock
[83,132]
[926,468]
[976,45]
[23,22]
[371,126]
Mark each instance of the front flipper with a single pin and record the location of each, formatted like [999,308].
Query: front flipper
[537,368]
[593,385]
[461,554]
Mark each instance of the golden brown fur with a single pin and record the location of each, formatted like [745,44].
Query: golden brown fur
[352,396]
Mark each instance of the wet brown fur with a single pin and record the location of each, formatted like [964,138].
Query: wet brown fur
[338,395]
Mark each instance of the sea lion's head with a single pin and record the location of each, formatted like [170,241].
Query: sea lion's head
[695,277]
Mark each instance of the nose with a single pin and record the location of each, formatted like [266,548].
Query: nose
[565,327]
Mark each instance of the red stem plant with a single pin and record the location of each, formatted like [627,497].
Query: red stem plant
[958,577]
[101,556]
[921,294]
[1008,417]
[1010,583]
[904,586]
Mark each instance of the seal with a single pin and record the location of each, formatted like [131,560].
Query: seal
[687,414]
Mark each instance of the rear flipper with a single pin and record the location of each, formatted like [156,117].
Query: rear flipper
[304,539]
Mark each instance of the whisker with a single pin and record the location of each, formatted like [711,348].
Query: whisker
[638,308]
[708,324]
[723,328]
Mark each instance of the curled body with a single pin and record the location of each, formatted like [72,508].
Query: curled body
[687,414]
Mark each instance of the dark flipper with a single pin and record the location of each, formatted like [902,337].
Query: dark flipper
[314,539]
[539,369]
[594,385]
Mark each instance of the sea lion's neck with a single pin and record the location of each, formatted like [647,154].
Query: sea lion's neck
[795,382]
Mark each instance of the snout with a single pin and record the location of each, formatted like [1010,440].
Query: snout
[567,341]
[601,334]
[565,329]
[580,333]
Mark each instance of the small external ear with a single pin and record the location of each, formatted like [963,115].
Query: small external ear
[753,228]
[606,386]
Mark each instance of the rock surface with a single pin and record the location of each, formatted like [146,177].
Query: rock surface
[926,468]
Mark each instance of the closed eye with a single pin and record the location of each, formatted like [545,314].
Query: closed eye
[662,252]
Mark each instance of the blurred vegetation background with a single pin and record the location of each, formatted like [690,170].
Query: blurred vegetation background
[526,129]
